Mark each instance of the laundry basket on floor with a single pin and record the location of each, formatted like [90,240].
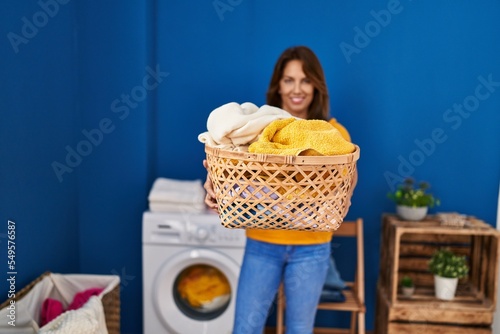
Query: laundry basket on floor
[264,191]
[28,300]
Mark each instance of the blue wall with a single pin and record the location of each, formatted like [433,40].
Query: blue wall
[397,73]
[113,57]
[58,105]
[38,98]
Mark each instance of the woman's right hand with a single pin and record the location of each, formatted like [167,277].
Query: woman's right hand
[210,200]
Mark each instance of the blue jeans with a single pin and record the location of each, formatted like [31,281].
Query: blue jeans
[303,270]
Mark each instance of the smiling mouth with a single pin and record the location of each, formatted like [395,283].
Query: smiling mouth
[297,100]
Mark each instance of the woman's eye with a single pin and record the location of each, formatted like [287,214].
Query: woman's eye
[307,81]
[287,80]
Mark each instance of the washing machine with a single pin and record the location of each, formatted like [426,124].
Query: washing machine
[191,265]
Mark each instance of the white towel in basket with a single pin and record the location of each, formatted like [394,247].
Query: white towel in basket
[233,125]
[88,319]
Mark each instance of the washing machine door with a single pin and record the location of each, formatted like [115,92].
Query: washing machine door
[195,292]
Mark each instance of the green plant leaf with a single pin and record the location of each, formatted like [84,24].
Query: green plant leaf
[408,195]
[445,263]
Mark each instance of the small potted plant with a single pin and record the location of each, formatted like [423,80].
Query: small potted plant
[413,199]
[407,286]
[447,268]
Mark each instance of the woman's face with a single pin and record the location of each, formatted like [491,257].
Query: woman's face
[296,90]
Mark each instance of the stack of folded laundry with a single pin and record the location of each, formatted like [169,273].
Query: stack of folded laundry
[170,195]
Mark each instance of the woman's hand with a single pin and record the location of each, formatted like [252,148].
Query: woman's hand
[210,200]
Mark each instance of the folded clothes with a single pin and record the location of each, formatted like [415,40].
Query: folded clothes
[233,125]
[333,279]
[334,284]
[176,207]
[301,137]
[166,190]
[332,296]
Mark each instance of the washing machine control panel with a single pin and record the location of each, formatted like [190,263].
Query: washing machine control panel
[189,229]
[201,233]
[211,234]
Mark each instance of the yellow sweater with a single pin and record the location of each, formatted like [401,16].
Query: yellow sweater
[291,136]
[291,237]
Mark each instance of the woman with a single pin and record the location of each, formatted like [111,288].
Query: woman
[298,258]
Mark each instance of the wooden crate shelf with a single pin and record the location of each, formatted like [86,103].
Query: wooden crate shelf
[406,248]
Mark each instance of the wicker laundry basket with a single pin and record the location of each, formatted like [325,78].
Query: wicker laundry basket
[264,191]
[110,303]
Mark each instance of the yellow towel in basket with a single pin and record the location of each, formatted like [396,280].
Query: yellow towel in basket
[293,136]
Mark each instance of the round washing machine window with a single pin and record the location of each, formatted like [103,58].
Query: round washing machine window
[202,292]
[195,290]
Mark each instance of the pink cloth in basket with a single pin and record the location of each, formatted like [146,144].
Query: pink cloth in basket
[82,297]
[51,309]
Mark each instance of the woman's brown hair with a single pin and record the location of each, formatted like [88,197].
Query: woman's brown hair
[320,107]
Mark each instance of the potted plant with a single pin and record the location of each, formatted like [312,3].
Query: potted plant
[407,286]
[447,268]
[413,199]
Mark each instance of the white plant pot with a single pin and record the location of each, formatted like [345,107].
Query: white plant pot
[411,213]
[445,287]
[408,291]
